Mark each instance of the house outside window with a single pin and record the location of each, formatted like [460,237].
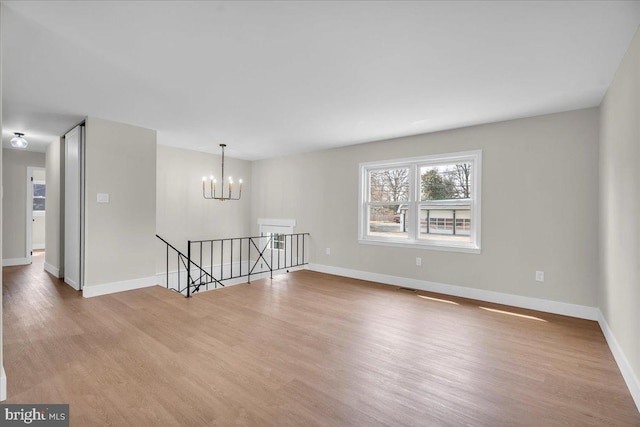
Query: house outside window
[430,202]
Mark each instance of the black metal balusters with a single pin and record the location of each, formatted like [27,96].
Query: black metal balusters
[260,252]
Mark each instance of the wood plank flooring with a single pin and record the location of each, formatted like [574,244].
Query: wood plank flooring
[303,349]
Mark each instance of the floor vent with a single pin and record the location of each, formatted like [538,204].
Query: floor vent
[406,289]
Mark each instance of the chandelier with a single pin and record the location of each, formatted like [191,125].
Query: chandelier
[212,193]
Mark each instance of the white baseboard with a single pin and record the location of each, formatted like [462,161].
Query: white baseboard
[37,246]
[623,364]
[69,281]
[3,385]
[14,261]
[125,285]
[52,270]
[555,307]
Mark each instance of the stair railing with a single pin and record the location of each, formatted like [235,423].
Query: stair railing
[188,266]
[237,257]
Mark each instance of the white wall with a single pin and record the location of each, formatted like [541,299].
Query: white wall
[54,221]
[14,175]
[183,214]
[539,206]
[619,297]
[120,235]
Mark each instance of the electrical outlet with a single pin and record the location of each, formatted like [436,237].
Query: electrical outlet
[418,261]
[328,251]
[539,276]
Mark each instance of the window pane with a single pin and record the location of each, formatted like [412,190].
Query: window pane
[389,185]
[438,224]
[38,203]
[277,240]
[444,182]
[388,221]
[39,193]
[39,190]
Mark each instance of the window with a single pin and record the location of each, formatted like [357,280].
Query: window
[39,196]
[277,240]
[431,202]
[276,229]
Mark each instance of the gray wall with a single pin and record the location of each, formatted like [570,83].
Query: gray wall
[619,297]
[539,206]
[183,214]
[120,235]
[14,178]
[54,225]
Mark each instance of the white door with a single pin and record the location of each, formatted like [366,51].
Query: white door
[73,202]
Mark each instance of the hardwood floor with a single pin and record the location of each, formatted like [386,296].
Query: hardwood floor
[303,349]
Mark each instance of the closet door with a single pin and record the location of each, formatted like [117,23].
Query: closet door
[73,207]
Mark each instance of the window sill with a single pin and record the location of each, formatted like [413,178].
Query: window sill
[470,248]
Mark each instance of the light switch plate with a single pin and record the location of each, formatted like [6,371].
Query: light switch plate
[103,197]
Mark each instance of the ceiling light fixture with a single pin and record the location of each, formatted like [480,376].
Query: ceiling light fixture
[211,194]
[18,141]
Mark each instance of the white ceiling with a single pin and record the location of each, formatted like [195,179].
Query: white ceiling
[275,78]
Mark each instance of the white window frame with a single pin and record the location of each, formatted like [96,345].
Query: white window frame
[274,225]
[413,240]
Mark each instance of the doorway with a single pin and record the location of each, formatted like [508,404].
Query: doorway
[36,201]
